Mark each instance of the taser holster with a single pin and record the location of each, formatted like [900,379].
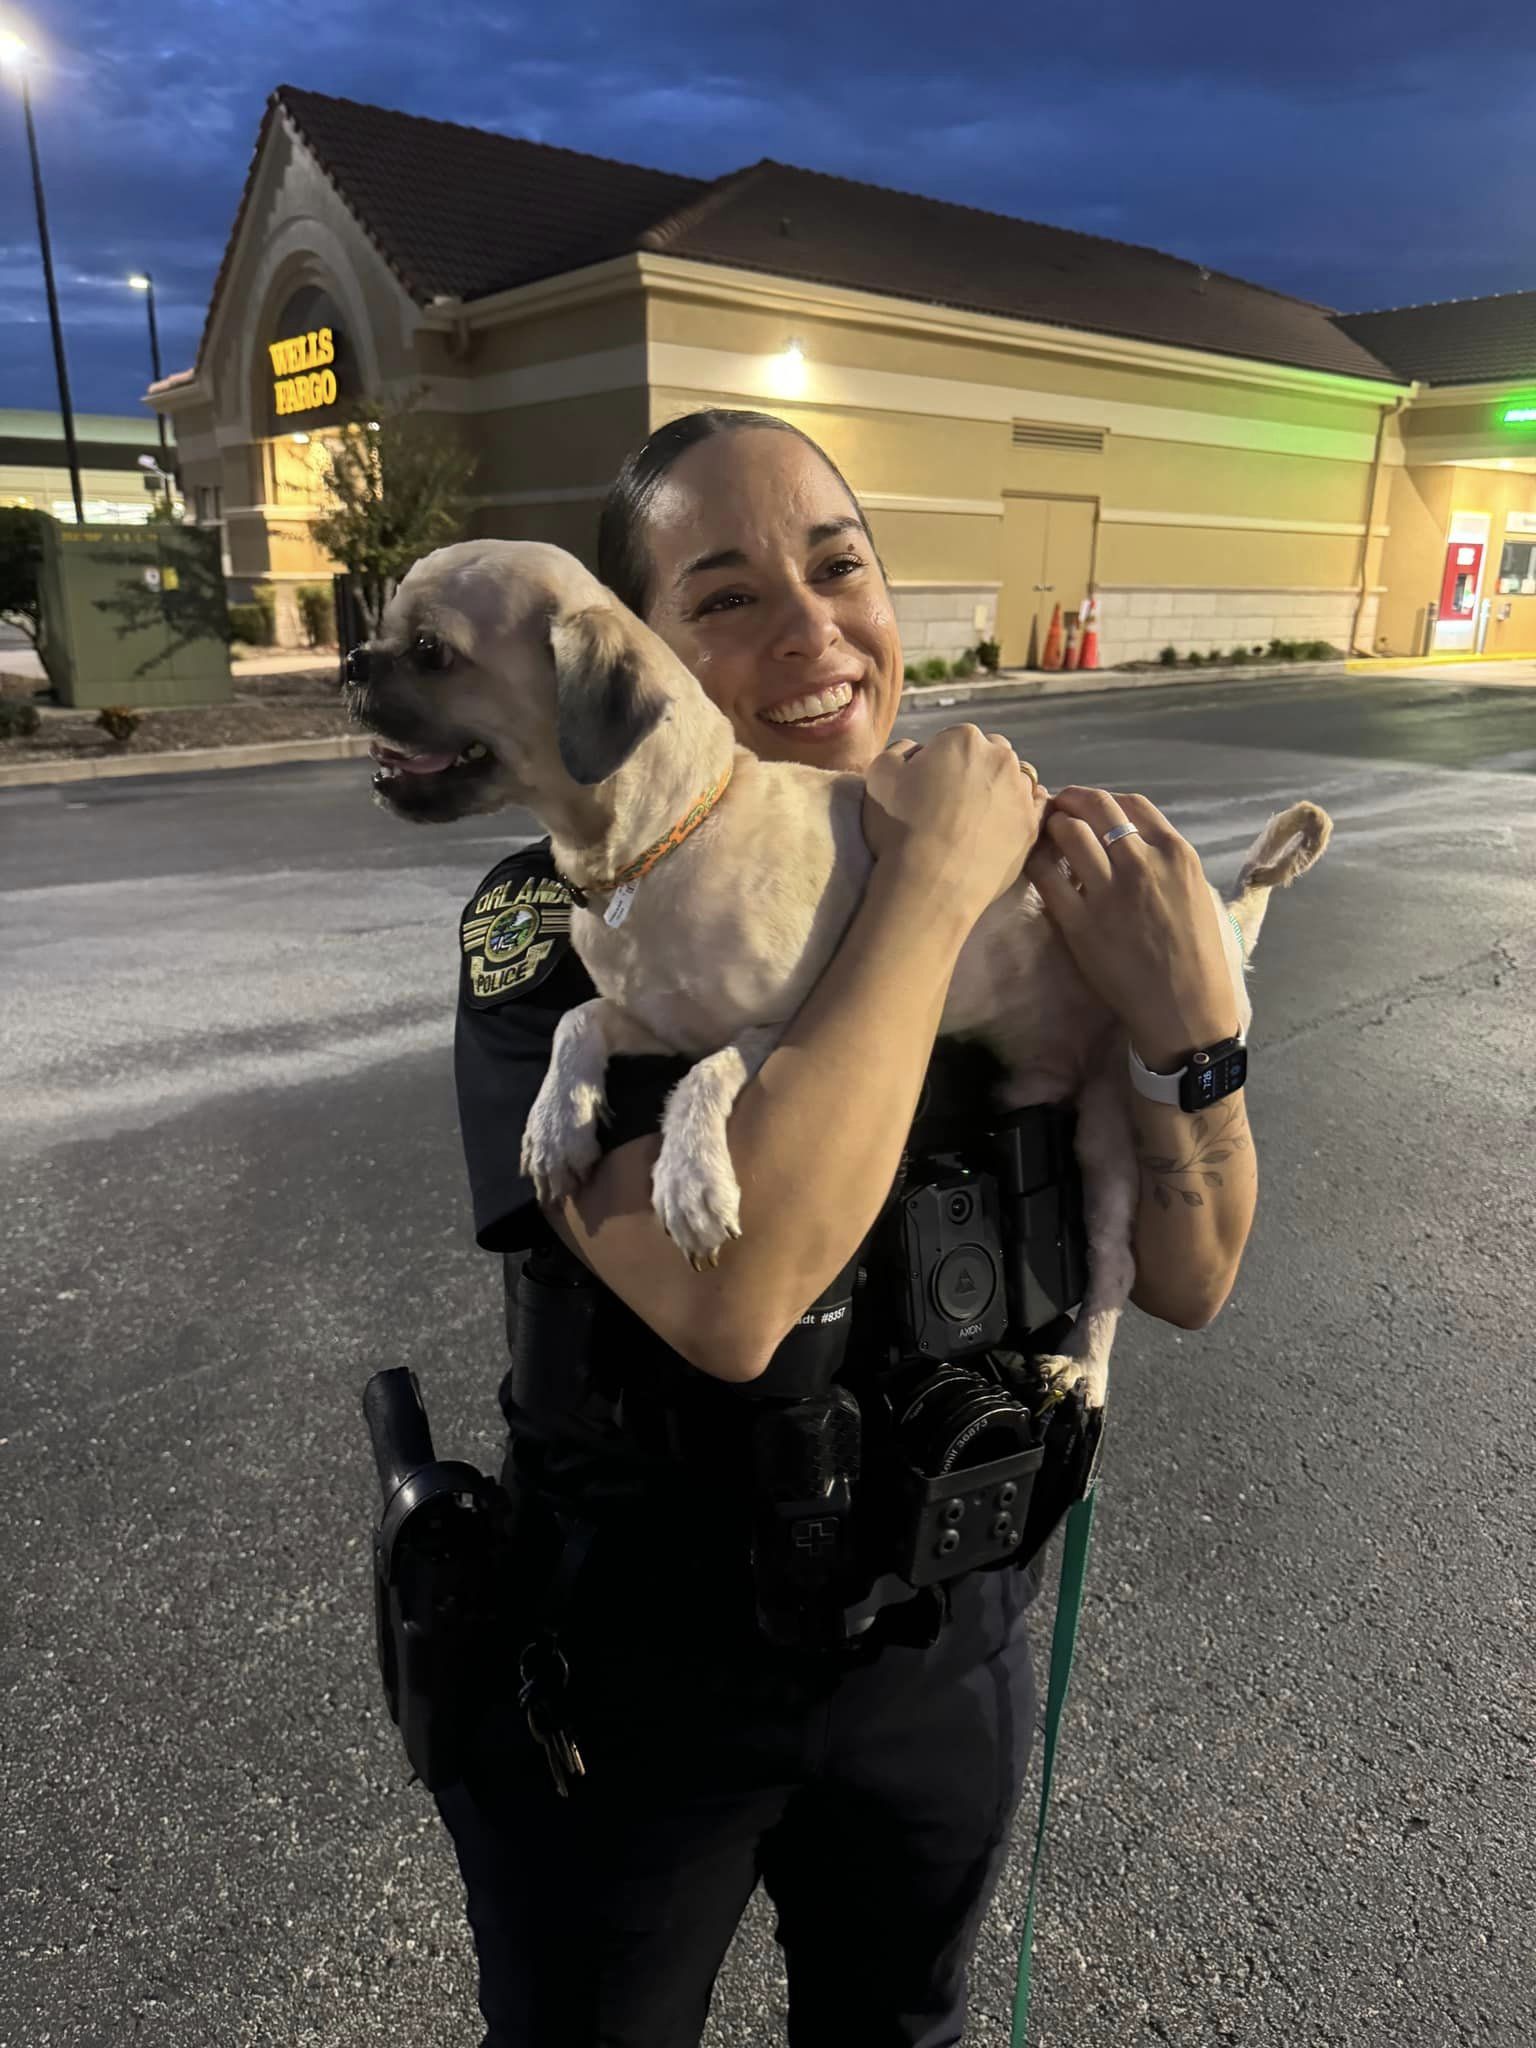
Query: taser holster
[442,1580]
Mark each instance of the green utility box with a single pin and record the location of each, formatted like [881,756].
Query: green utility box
[134,615]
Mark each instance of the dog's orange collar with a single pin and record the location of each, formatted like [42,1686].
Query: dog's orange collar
[637,870]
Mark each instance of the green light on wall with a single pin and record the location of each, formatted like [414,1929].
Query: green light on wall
[1522,415]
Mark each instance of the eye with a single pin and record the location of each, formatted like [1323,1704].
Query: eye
[844,565]
[428,650]
[722,600]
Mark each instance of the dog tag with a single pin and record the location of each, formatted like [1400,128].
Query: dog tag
[618,908]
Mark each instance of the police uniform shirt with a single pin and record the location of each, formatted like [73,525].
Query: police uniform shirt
[519,974]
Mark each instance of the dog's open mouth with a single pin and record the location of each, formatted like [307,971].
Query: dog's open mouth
[416,762]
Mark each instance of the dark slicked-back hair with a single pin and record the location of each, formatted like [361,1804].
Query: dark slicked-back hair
[623,558]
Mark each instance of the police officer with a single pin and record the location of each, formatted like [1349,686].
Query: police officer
[871,1791]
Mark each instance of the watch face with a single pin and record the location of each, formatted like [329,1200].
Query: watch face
[1224,1075]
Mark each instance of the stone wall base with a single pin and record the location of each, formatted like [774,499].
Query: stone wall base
[1136,624]
[940,619]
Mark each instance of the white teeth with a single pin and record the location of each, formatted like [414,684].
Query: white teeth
[821,705]
[475,752]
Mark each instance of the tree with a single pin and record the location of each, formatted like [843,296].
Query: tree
[395,484]
[21,569]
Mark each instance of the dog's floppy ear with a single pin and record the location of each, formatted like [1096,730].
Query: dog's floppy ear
[605,702]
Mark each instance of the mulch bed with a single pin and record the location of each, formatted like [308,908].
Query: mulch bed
[301,706]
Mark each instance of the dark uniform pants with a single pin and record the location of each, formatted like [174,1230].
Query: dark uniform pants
[873,1802]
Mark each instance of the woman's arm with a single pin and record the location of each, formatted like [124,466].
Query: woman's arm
[1199,1188]
[1146,936]
[816,1136]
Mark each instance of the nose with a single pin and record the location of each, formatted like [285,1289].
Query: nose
[803,624]
[357,665]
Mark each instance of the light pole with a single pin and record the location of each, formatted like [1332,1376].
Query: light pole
[13,51]
[143,282]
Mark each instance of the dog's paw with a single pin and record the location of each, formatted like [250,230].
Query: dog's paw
[1089,1374]
[699,1204]
[560,1147]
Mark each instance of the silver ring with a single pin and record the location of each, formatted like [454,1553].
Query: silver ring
[1118,832]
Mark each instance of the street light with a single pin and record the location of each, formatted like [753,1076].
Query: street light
[143,282]
[162,476]
[15,54]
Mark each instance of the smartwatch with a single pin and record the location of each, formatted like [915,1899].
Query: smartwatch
[1206,1076]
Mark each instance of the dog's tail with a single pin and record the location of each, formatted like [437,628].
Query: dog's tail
[1289,844]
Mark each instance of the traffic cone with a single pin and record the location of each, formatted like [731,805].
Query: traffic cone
[1069,655]
[1052,655]
[1088,656]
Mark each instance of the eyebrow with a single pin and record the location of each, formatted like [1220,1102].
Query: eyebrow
[734,558]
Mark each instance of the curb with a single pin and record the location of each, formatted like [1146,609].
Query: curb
[189,761]
[1097,682]
[923,697]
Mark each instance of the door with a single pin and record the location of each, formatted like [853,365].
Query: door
[1462,582]
[1047,560]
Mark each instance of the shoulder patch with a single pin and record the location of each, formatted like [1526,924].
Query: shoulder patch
[514,932]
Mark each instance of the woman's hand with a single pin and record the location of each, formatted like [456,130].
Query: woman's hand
[1139,920]
[963,811]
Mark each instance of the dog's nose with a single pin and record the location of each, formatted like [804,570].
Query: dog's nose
[357,665]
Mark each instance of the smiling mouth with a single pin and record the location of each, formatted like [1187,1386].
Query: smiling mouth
[817,709]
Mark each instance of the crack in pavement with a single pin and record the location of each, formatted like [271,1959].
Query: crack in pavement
[1395,999]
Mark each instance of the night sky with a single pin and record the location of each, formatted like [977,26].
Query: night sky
[1363,152]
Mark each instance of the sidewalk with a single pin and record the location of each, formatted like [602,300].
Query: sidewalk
[1010,684]
[21,661]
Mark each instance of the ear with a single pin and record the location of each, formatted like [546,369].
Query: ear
[605,701]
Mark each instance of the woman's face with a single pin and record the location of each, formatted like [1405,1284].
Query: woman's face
[764,583]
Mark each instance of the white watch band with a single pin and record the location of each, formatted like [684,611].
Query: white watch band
[1162,1087]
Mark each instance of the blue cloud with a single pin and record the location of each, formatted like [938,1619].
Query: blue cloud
[1331,151]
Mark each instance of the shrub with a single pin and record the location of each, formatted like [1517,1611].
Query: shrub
[119,722]
[249,623]
[1256,653]
[317,612]
[990,654]
[1319,650]
[18,718]
[909,673]
[1169,657]
[965,666]
[935,669]
[265,598]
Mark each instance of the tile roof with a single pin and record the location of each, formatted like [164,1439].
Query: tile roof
[805,224]
[464,212]
[1457,341]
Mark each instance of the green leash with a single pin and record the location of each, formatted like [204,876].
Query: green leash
[1069,1605]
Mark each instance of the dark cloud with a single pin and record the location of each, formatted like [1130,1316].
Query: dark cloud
[1362,155]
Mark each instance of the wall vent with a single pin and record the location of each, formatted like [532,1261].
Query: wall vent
[1050,434]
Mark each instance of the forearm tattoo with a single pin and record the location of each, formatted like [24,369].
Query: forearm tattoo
[1213,1139]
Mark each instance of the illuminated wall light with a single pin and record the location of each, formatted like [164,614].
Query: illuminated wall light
[301,439]
[787,372]
[1520,416]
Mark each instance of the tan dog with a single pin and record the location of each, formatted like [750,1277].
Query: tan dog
[504,673]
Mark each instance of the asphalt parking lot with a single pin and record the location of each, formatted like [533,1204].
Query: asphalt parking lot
[1297,1790]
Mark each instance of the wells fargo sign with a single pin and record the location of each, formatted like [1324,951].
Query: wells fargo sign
[303,379]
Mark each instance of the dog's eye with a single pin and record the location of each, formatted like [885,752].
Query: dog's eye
[428,651]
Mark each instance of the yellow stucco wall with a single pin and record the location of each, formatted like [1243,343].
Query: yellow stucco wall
[564,444]
[1424,500]
[1163,459]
